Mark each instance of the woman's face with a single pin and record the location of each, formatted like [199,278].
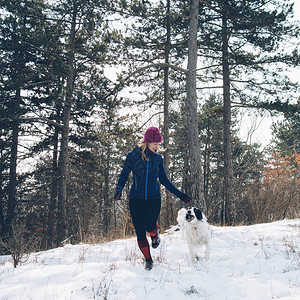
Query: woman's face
[153,146]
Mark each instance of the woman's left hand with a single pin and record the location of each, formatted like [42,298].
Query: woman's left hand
[185,198]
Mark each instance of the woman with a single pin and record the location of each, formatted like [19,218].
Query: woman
[145,198]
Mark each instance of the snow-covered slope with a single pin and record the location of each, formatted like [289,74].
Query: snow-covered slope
[257,262]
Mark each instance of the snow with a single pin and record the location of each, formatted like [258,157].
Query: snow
[256,262]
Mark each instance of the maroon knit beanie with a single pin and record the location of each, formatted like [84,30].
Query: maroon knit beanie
[152,135]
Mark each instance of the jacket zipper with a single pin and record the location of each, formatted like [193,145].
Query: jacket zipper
[146,184]
[135,182]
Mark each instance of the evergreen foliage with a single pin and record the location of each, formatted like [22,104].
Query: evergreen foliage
[66,124]
[287,133]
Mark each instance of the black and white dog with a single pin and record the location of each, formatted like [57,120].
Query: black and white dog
[194,229]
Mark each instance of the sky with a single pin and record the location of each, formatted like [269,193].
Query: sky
[252,128]
[297,9]
[257,129]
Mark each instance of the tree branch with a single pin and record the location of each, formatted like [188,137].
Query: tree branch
[42,120]
[163,65]
[210,87]
[160,112]
[28,120]
[209,6]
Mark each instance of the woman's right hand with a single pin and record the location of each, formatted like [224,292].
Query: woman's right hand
[118,196]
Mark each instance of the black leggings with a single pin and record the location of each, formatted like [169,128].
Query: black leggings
[144,214]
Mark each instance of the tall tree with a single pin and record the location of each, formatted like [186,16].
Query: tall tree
[166,128]
[86,39]
[251,33]
[211,133]
[228,168]
[191,108]
[22,26]
[64,152]
[157,32]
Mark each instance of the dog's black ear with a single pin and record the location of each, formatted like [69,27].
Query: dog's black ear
[198,214]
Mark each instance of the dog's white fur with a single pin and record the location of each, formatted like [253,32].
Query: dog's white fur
[195,232]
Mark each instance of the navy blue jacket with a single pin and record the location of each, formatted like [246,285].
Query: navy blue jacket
[145,175]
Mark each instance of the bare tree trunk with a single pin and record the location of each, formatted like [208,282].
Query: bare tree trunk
[53,193]
[2,222]
[107,200]
[228,170]
[192,115]
[12,187]
[169,207]
[185,181]
[206,167]
[63,174]
[64,151]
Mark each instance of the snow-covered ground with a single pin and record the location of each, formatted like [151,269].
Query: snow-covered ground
[257,262]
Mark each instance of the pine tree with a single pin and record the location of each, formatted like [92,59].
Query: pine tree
[157,36]
[85,44]
[286,134]
[22,32]
[240,39]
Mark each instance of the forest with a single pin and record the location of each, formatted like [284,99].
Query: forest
[80,82]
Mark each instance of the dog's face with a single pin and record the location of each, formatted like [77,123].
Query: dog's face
[193,215]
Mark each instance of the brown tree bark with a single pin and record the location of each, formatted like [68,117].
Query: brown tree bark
[107,199]
[196,177]
[64,151]
[53,193]
[169,207]
[12,187]
[228,169]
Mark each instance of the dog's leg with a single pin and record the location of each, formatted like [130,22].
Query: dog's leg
[207,250]
[183,231]
[192,254]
